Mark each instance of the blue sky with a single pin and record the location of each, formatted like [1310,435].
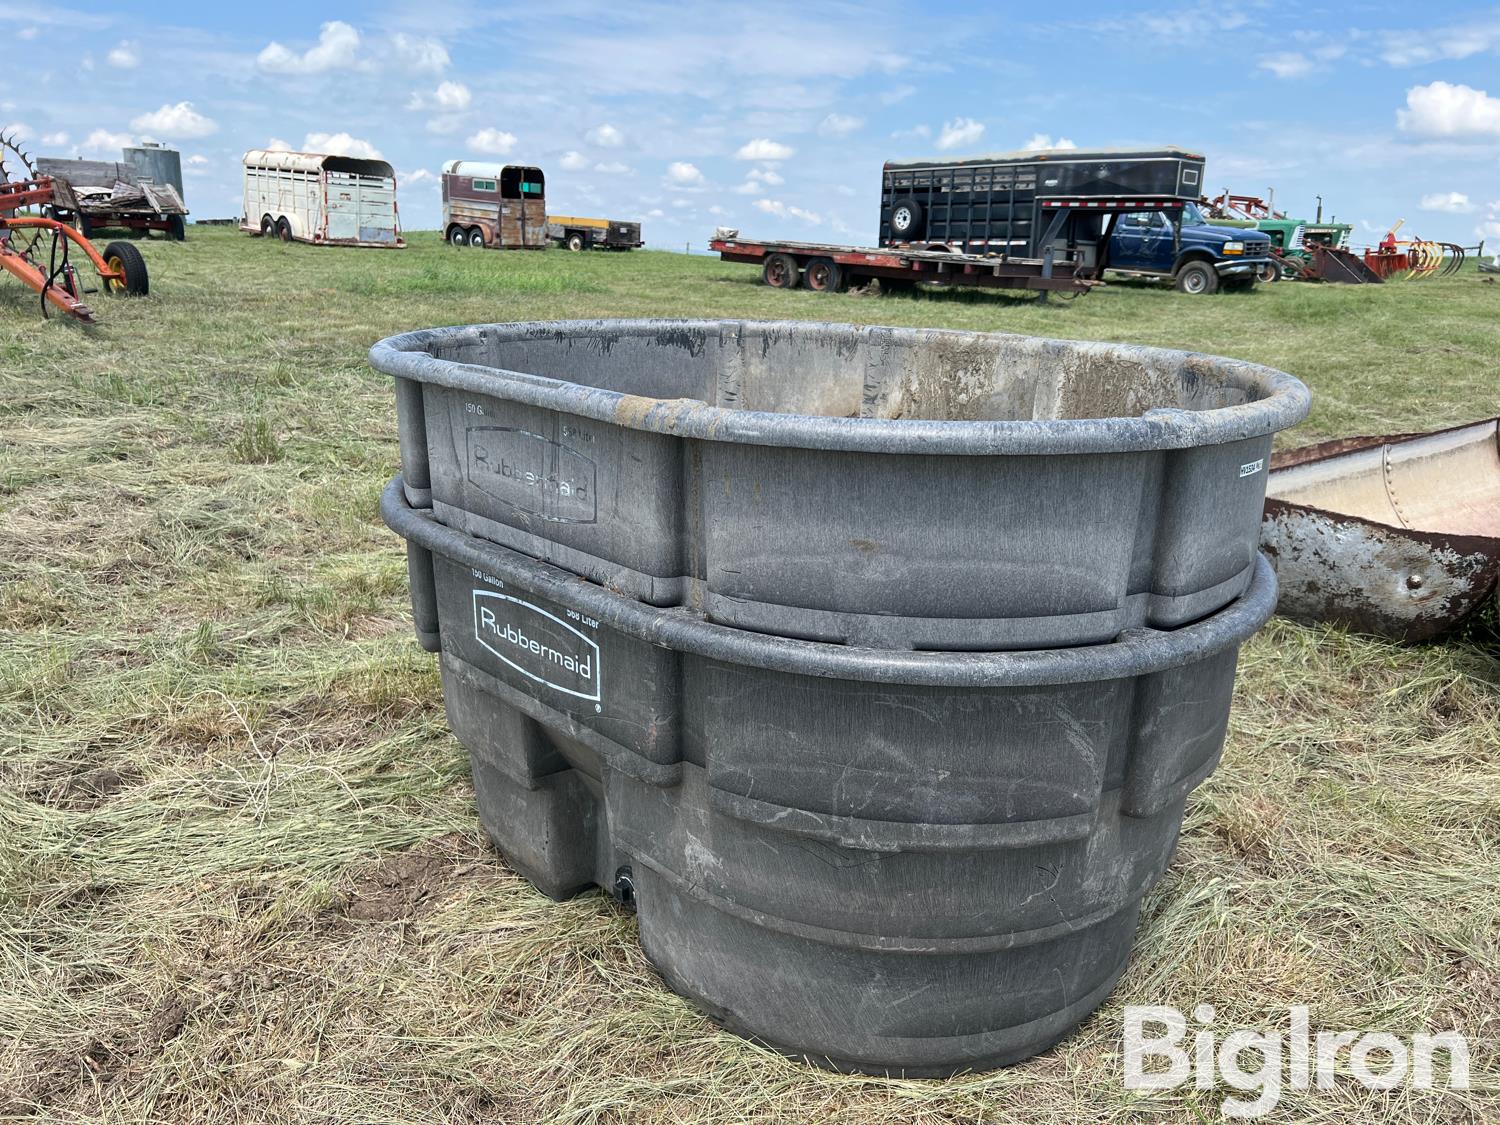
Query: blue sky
[775,116]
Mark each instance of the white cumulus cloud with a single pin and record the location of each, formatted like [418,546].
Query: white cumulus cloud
[612,168]
[336,49]
[102,140]
[839,125]
[763,148]
[959,132]
[573,161]
[492,141]
[124,56]
[276,144]
[758,180]
[420,54]
[1445,109]
[605,136]
[1490,228]
[179,122]
[1040,141]
[681,172]
[340,144]
[1452,202]
[1288,64]
[451,97]
[784,211]
[1407,49]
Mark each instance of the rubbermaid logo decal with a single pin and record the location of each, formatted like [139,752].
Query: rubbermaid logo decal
[538,644]
[532,473]
[1250,468]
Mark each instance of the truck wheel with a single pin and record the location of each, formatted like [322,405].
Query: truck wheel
[476,238]
[457,236]
[574,242]
[124,258]
[1197,277]
[267,226]
[906,218]
[824,275]
[283,229]
[780,272]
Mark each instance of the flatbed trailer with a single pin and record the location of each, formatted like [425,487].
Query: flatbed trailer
[576,232]
[829,268]
[97,194]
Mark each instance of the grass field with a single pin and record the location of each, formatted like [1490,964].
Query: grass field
[240,876]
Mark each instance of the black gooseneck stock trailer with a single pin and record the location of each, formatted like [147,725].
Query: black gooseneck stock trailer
[1022,220]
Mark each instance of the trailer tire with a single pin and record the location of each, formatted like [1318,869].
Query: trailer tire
[476,238]
[574,242]
[1196,278]
[126,259]
[85,227]
[906,218]
[780,272]
[176,228]
[824,275]
[283,229]
[457,236]
[902,285]
[267,226]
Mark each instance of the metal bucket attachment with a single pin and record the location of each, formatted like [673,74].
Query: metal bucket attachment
[1332,264]
[1397,535]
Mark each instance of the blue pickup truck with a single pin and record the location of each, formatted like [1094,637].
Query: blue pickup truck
[1199,260]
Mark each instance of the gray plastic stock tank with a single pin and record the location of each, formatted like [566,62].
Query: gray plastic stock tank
[872,666]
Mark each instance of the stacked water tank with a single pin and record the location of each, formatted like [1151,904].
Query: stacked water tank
[873,667]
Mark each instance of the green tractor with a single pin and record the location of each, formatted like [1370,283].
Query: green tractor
[1292,240]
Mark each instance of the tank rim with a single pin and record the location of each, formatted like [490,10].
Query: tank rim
[1284,400]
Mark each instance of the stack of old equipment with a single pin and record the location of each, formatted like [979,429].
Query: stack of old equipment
[873,666]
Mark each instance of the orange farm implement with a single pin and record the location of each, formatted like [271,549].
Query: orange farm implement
[38,249]
[1414,257]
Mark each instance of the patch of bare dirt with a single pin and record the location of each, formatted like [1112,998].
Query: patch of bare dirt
[85,790]
[54,1077]
[414,882]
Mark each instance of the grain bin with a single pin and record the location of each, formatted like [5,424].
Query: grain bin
[884,855]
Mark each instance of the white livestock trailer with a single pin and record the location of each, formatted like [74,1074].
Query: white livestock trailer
[327,200]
